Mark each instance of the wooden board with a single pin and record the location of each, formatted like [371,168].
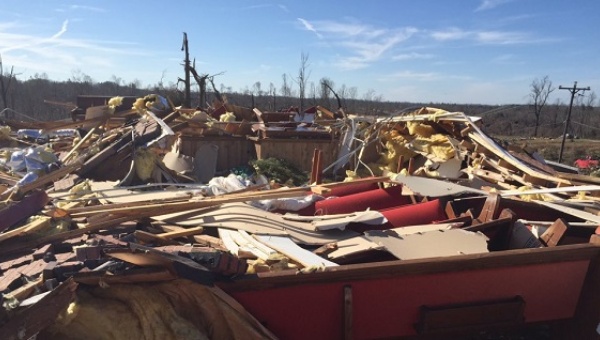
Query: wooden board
[289,248]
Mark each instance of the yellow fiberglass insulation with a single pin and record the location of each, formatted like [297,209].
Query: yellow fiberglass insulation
[419,129]
[178,309]
[145,161]
[5,132]
[395,146]
[139,106]
[227,117]
[437,145]
[115,101]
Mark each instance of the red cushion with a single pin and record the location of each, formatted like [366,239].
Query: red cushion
[410,214]
[373,199]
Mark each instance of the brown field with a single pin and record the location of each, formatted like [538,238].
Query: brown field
[550,148]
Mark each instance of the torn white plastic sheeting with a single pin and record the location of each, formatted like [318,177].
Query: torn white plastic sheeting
[430,244]
[289,204]
[432,187]
[179,163]
[290,249]
[328,222]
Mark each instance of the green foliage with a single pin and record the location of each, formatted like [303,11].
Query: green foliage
[280,171]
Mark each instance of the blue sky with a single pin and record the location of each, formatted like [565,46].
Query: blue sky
[440,51]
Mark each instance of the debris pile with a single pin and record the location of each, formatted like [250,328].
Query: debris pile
[161,210]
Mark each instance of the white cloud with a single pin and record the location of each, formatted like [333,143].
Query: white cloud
[57,54]
[309,27]
[358,45]
[490,4]
[413,75]
[484,37]
[87,8]
[502,38]
[62,31]
[412,56]
[452,33]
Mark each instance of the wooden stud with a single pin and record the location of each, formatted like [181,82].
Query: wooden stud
[554,234]
[181,233]
[490,208]
[319,167]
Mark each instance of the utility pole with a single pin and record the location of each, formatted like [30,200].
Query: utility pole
[573,91]
[187,96]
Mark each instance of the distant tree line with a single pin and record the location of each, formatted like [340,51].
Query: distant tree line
[41,98]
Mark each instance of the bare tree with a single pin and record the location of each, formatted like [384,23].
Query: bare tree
[540,91]
[286,89]
[590,101]
[5,82]
[273,95]
[326,86]
[302,79]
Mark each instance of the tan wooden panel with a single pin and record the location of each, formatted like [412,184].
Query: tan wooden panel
[233,151]
[298,151]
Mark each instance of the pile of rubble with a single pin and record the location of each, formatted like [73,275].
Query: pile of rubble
[136,210]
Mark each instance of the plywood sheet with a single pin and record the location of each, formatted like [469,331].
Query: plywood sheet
[429,244]
[432,187]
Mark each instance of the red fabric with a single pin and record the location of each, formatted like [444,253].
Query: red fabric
[352,188]
[420,213]
[373,199]
[410,214]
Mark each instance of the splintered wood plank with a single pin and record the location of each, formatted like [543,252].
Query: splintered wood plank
[298,254]
[228,241]
[490,145]
[33,226]
[247,244]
